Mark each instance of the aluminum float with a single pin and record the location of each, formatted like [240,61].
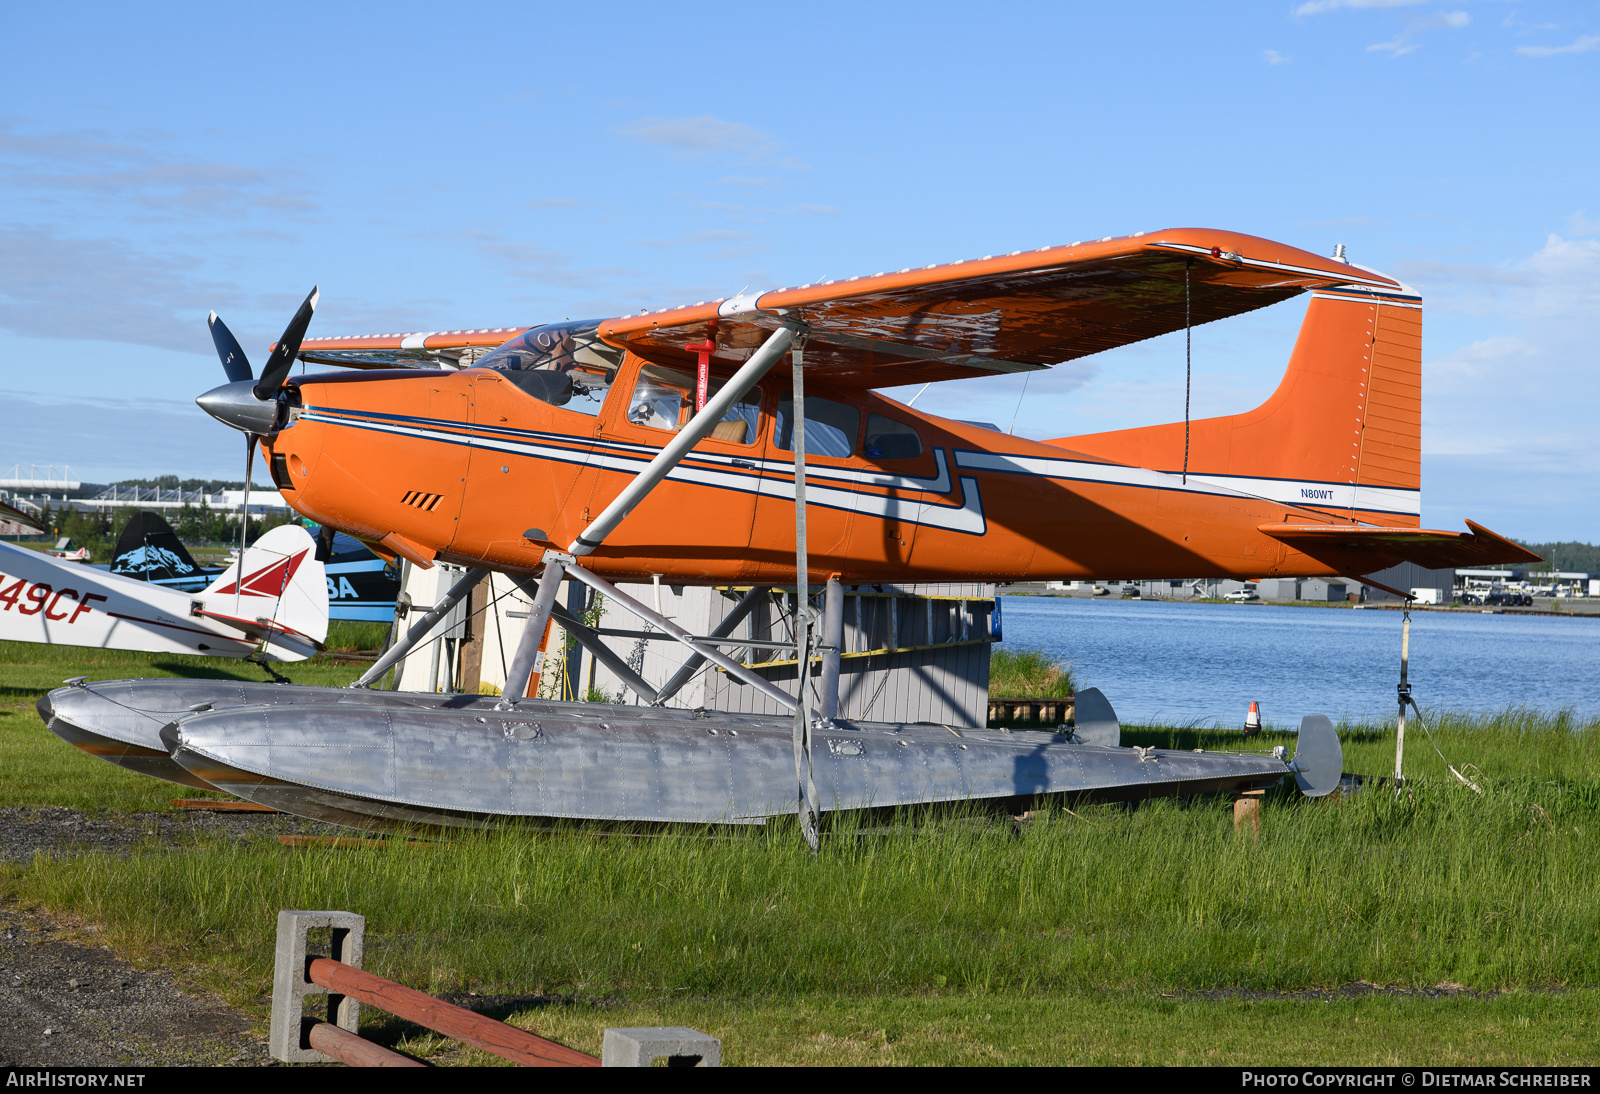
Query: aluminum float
[380,760]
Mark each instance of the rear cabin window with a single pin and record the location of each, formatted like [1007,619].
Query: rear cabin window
[888,439]
[831,427]
[563,364]
[663,398]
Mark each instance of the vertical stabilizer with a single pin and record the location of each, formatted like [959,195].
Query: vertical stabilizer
[283,587]
[1342,433]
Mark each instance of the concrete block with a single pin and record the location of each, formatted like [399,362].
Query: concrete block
[642,1046]
[289,1037]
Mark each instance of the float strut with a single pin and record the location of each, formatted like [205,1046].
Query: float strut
[693,432]
[555,568]
[419,630]
[710,653]
[746,604]
[832,645]
[603,653]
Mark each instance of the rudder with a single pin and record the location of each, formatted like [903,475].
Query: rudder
[283,582]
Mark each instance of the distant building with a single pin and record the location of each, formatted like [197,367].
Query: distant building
[95,498]
[1428,586]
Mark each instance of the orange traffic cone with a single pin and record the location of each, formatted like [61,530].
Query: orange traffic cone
[1252,720]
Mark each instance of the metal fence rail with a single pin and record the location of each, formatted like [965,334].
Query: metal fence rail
[468,1027]
[300,977]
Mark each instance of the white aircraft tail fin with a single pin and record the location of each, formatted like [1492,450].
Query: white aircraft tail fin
[283,591]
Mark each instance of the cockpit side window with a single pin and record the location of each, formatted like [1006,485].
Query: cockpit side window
[563,364]
[888,439]
[663,398]
[830,427]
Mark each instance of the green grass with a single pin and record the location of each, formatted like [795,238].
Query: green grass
[1081,1029]
[1492,893]
[1028,674]
[40,769]
[1083,938]
[346,635]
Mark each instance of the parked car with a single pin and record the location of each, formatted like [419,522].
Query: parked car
[1131,590]
[1242,595]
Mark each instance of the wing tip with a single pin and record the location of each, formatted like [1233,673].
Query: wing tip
[1495,539]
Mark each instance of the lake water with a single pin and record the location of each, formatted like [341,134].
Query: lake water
[1176,663]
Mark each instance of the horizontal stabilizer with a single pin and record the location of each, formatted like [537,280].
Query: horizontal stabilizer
[1358,549]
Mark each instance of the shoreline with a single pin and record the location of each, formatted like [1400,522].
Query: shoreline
[1589,610]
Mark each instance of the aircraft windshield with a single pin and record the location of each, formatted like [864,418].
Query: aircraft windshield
[563,364]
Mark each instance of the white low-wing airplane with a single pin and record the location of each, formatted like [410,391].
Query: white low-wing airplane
[277,612]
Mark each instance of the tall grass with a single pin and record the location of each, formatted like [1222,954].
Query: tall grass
[1028,674]
[1437,885]
[355,634]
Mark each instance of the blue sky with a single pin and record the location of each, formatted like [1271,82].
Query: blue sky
[492,165]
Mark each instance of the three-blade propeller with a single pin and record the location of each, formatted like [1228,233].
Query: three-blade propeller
[249,404]
[244,402]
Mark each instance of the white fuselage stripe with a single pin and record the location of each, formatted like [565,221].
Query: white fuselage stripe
[1320,495]
[966,517]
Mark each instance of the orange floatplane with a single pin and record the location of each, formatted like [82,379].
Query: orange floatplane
[667,443]
[490,448]
[523,450]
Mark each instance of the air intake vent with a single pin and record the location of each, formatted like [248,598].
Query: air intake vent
[280,472]
[418,500]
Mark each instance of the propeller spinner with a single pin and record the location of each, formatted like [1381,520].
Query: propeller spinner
[245,403]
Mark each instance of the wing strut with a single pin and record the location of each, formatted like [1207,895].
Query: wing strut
[559,564]
[807,792]
[697,429]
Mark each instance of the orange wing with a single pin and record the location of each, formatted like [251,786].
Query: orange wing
[417,349]
[1024,310]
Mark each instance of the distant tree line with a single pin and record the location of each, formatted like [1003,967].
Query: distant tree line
[196,526]
[1569,556]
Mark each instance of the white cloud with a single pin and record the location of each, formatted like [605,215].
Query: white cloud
[1319,7]
[58,286]
[1507,417]
[43,169]
[1406,41]
[1273,57]
[1396,47]
[715,235]
[174,437]
[705,137]
[1583,45]
[1580,225]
